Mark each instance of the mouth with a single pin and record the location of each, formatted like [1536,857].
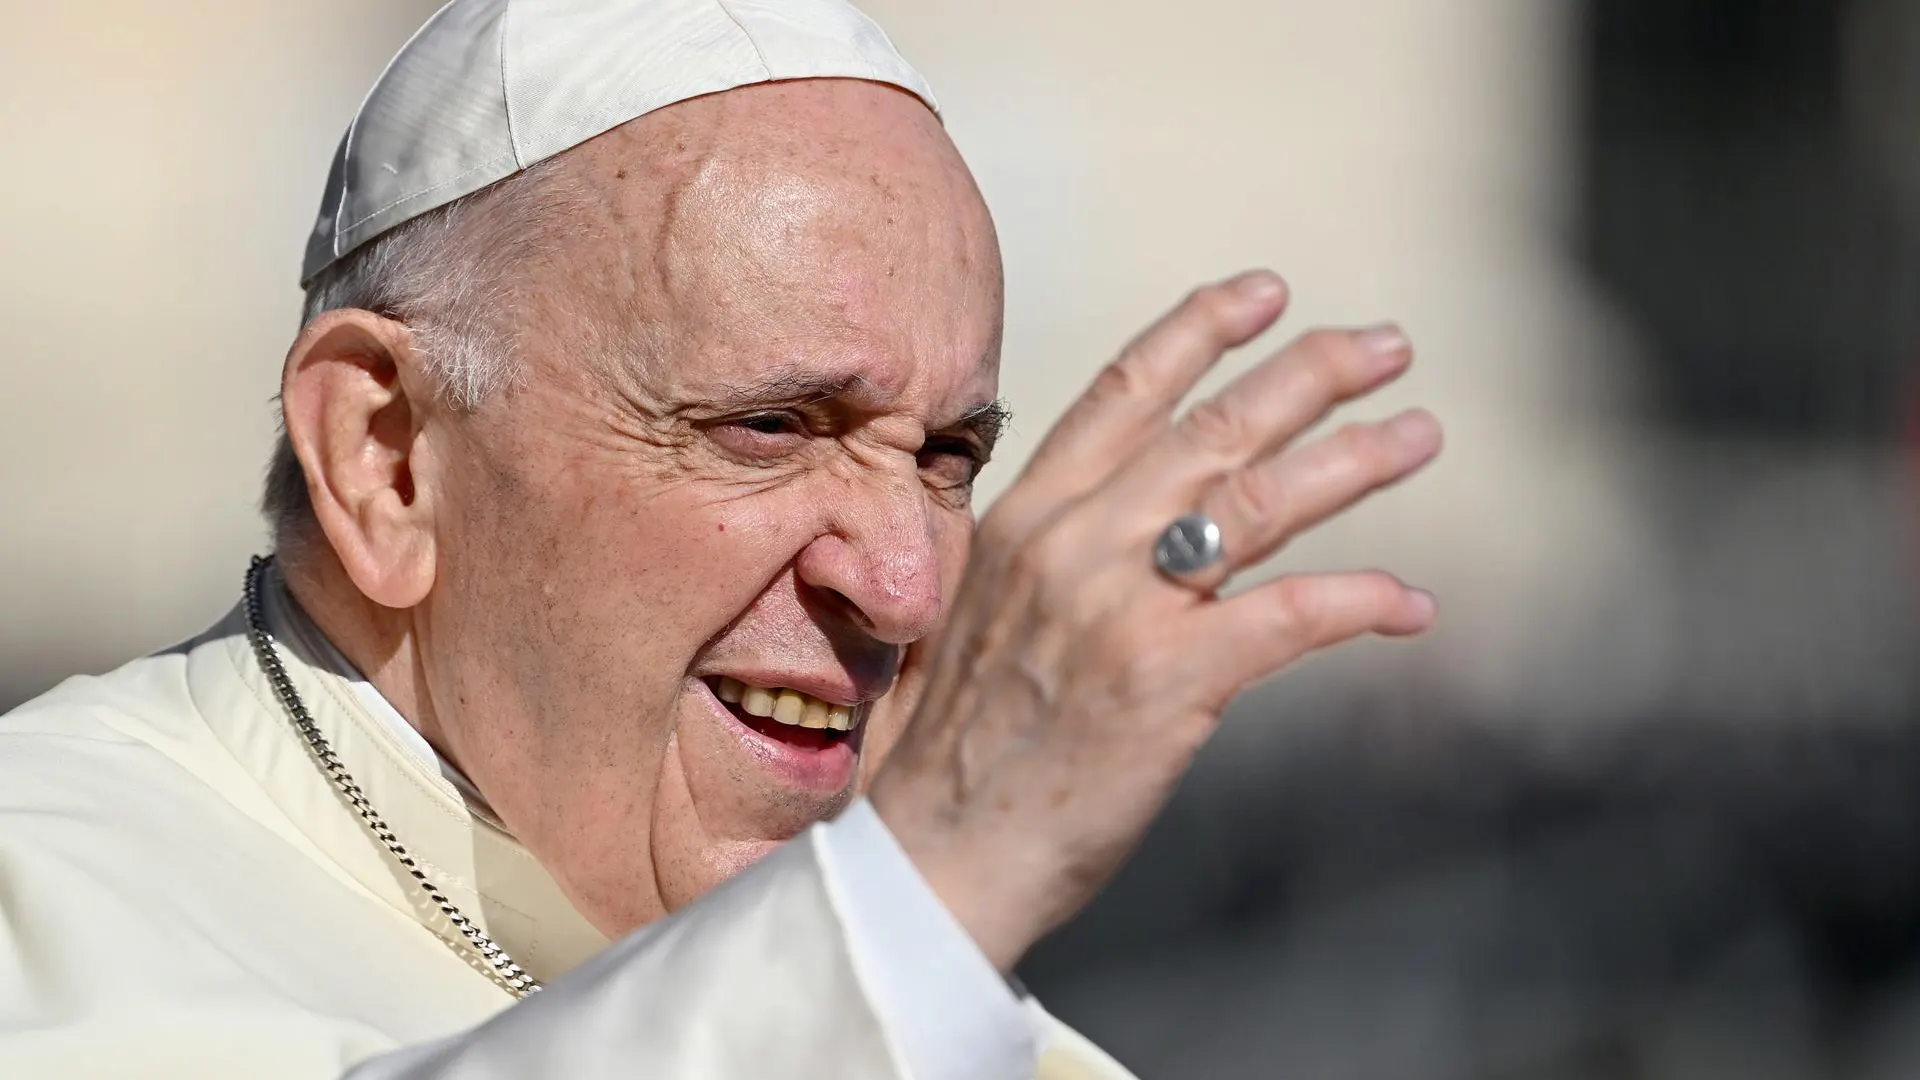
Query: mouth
[795,720]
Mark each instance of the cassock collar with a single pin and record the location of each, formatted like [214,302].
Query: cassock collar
[290,620]
[457,842]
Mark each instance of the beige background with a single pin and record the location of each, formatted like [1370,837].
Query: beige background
[1393,158]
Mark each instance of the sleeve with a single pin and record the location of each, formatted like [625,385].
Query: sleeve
[830,958]
[953,1016]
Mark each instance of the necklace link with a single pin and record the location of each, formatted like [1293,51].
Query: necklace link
[510,974]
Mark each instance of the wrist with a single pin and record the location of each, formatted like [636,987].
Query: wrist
[991,893]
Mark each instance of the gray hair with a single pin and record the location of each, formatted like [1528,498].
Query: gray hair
[449,275]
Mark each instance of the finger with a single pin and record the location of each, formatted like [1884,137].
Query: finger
[1266,628]
[1260,507]
[1133,398]
[1265,409]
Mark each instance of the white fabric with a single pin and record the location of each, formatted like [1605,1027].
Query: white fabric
[947,1007]
[488,87]
[950,1012]
[182,893]
[294,623]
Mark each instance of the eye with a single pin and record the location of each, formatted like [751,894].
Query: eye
[951,463]
[760,437]
[770,424]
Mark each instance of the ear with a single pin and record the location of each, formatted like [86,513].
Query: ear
[356,429]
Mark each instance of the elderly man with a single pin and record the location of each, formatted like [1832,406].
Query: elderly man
[628,633]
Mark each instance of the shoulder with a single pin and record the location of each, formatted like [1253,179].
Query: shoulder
[124,766]
[118,800]
[108,766]
[152,895]
[148,699]
[140,726]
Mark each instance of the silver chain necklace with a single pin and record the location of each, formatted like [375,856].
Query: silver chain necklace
[510,974]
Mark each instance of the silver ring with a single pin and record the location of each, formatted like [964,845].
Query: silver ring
[1187,546]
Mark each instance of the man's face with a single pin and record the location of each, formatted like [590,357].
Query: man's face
[759,371]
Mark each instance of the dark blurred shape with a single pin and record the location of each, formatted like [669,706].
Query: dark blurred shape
[1685,899]
[1729,204]
[1704,888]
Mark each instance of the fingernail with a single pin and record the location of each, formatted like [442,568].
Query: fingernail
[1386,340]
[1424,605]
[1260,285]
[1415,429]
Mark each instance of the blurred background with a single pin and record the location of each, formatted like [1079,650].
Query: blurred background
[1647,805]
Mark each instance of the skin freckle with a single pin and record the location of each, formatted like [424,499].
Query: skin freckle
[730,241]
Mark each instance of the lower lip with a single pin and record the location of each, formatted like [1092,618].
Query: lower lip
[829,767]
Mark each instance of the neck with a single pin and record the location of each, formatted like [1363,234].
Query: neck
[382,643]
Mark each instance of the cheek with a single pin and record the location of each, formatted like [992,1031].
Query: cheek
[686,561]
[954,542]
[600,585]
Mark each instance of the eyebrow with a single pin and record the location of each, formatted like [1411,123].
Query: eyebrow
[986,421]
[785,388]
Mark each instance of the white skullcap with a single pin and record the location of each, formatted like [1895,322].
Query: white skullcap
[488,87]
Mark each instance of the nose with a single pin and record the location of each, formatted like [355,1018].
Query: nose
[880,555]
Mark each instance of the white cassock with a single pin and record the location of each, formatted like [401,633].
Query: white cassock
[183,893]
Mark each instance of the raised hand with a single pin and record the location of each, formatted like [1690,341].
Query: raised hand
[1074,679]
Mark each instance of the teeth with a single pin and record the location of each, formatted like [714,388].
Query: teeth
[784,704]
[789,707]
[816,714]
[757,701]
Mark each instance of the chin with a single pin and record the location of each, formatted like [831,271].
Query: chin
[721,861]
[731,858]
[738,784]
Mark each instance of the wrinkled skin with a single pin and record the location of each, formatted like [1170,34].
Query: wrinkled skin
[577,551]
[756,357]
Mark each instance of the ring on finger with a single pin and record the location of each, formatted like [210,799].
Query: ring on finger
[1188,547]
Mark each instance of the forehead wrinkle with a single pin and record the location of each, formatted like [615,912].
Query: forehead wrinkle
[744,227]
[790,386]
[764,241]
